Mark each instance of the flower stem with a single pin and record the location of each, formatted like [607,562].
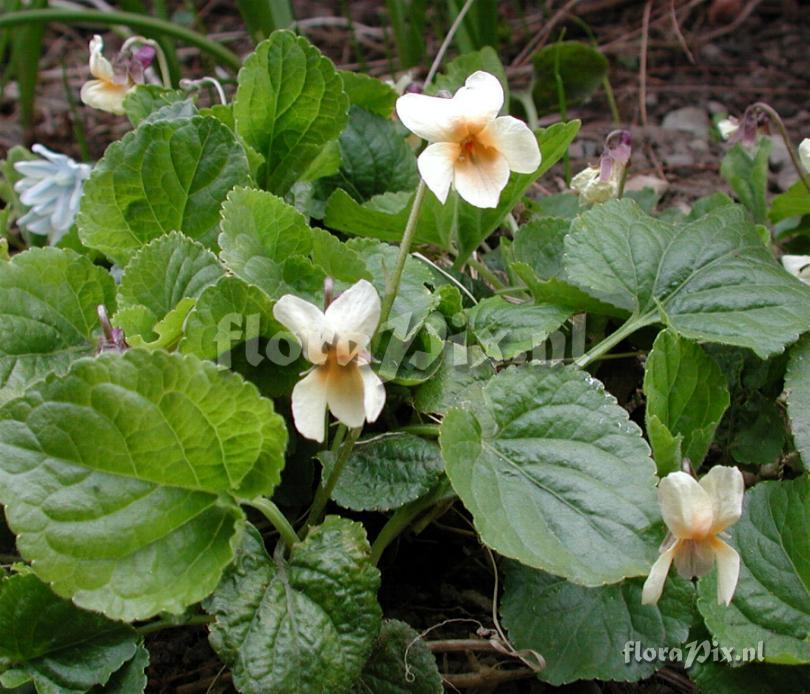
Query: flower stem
[486,273]
[431,430]
[131,19]
[404,516]
[780,125]
[633,323]
[324,492]
[161,624]
[392,286]
[279,521]
[437,61]
[165,73]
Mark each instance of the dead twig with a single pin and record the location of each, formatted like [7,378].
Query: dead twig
[676,27]
[722,31]
[540,38]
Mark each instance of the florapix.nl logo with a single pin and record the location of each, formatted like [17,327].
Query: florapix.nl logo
[693,652]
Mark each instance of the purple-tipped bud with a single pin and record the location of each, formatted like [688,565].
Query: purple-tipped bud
[616,156]
[754,123]
[414,88]
[145,55]
[620,145]
[113,339]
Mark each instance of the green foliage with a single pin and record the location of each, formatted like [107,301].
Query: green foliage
[711,279]
[171,175]
[146,99]
[686,398]
[794,202]
[797,386]
[374,158]
[56,646]
[126,466]
[772,601]
[581,68]
[518,450]
[369,93]
[407,19]
[385,472]
[539,244]
[553,617]
[48,301]
[399,664]
[289,103]
[718,678]
[162,528]
[506,330]
[159,286]
[303,624]
[748,177]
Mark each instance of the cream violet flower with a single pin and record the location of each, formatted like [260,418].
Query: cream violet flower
[472,149]
[591,188]
[51,190]
[598,184]
[798,265]
[114,80]
[804,153]
[696,513]
[335,341]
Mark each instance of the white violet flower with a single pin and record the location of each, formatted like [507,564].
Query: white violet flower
[728,126]
[336,342]
[472,148]
[804,153]
[798,265]
[696,513]
[51,189]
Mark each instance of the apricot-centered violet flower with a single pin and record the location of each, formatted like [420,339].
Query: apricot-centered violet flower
[471,148]
[113,81]
[696,513]
[51,188]
[336,342]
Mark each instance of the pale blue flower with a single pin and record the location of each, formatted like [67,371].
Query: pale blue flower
[51,191]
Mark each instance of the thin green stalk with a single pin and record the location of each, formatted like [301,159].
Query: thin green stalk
[431,430]
[563,105]
[403,517]
[392,286]
[324,492]
[454,27]
[780,125]
[611,99]
[486,273]
[136,21]
[340,434]
[279,521]
[633,323]
[161,624]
